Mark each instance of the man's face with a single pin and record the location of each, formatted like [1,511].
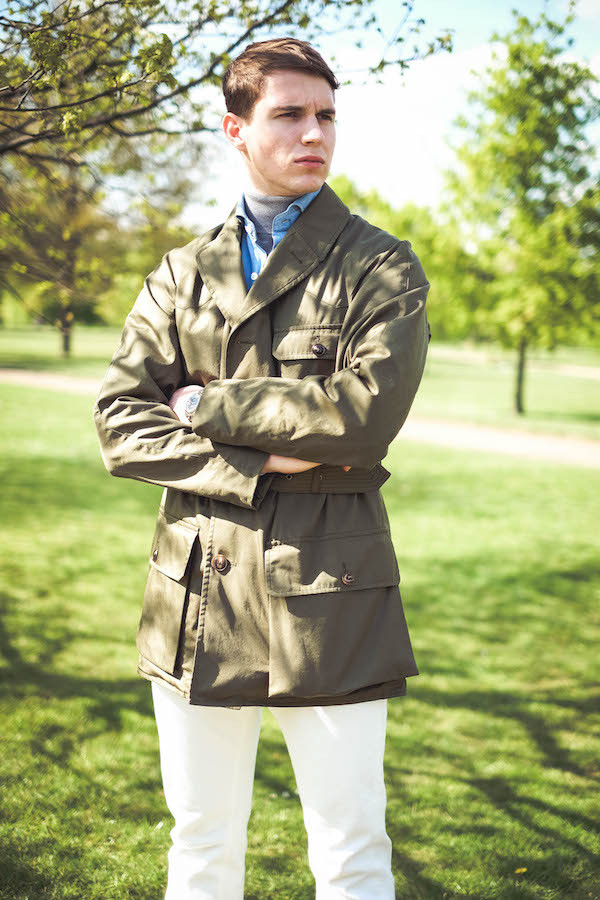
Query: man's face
[288,141]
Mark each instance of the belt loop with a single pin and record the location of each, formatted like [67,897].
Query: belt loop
[317,480]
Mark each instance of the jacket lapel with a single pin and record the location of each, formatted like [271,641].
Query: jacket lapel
[220,265]
[308,241]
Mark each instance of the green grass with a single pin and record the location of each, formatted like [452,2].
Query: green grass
[38,348]
[463,384]
[492,758]
[479,388]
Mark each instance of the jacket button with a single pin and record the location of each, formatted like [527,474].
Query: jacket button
[318,349]
[155,554]
[220,563]
[347,578]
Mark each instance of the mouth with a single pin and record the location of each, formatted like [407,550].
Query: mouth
[311,162]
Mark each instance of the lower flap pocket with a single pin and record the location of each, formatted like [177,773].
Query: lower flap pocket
[340,562]
[172,546]
[161,625]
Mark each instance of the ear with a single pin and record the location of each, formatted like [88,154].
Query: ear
[233,126]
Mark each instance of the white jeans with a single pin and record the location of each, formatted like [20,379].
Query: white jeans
[207,758]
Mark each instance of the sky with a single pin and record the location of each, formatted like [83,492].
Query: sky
[394,137]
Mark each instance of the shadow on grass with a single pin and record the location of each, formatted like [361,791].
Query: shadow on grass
[19,877]
[418,884]
[507,706]
[75,756]
[273,767]
[104,708]
[24,678]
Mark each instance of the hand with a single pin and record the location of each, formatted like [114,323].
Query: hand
[289,465]
[179,399]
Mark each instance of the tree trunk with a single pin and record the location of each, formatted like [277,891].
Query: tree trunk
[66,339]
[519,406]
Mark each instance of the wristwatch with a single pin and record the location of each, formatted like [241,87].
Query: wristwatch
[191,404]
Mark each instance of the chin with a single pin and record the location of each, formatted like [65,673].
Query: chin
[309,183]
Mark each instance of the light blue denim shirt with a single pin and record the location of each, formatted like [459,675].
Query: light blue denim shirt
[253,256]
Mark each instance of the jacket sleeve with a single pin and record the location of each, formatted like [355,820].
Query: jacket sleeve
[140,436]
[351,416]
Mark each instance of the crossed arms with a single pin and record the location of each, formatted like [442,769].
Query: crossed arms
[287,465]
[244,429]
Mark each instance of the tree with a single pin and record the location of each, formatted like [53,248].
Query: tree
[141,246]
[67,255]
[528,190]
[457,276]
[75,76]
[105,92]
[55,250]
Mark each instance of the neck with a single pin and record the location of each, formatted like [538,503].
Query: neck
[262,209]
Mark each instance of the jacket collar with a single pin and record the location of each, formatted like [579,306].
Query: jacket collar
[308,241]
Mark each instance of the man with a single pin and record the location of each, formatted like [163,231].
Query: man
[263,371]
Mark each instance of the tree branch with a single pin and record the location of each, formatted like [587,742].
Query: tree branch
[107,93]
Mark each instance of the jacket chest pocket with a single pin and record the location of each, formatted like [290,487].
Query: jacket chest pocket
[306,350]
[161,630]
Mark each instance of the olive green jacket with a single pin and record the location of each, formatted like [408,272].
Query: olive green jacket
[267,589]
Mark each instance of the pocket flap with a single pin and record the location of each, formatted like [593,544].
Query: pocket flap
[343,562]
[313,342]
[172,546]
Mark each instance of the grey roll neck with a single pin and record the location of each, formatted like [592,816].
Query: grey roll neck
[262,209]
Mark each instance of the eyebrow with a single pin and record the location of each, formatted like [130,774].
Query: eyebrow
[293,108]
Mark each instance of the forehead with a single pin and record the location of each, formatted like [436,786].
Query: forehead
[293,88]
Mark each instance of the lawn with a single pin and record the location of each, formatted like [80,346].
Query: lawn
[492,758]
[38,348]
[478,387]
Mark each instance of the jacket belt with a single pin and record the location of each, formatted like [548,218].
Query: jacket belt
[331,480]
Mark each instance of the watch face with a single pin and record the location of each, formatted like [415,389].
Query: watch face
[191,404]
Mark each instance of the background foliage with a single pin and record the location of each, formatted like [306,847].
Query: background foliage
[113,97]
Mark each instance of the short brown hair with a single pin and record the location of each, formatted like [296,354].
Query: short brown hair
[244,79]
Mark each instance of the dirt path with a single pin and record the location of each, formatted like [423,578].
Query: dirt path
[457,435]
[70,384]
[462,435]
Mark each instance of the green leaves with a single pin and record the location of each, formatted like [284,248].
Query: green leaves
[110,68]
[71,121]
[156,60]
[527,174]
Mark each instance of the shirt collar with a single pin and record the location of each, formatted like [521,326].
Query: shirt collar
[299,204]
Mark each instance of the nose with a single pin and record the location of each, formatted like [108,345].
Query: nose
[313,133]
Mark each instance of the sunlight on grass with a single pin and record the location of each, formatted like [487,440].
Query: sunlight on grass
[492,758]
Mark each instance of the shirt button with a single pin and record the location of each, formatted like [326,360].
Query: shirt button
[318,349]
[254,276]
[220,563]
[347,578]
